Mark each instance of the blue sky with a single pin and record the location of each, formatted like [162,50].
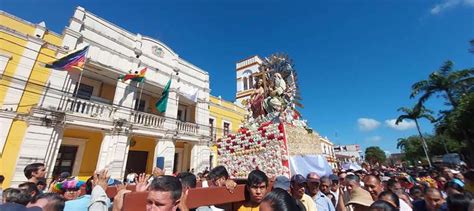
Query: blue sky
[356,60]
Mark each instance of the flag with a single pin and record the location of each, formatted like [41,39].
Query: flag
[137,75]
[74,60]
[163,101]
[189,92]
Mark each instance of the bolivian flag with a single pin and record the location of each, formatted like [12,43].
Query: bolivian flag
[72,61]
[137,75]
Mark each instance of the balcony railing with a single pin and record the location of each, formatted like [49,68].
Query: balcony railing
[187,127]
[89,108]
[146,119]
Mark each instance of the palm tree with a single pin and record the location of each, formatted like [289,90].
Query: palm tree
[402,144]
[446,81]
[414,114]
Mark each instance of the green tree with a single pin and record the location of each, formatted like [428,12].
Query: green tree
[458,124]
[374,155]
[450,83]
[412,148]
[414,114]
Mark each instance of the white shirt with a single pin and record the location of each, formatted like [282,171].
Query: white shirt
[404,206]
[336,194]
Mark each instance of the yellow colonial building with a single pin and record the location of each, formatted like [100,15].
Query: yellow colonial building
[225,117]
[24,49]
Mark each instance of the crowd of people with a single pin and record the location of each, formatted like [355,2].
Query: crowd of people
[374,189]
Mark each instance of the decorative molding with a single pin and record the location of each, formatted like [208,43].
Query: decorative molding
[249,65]
[75,34]
[157,51]
[25,22]
[24,36]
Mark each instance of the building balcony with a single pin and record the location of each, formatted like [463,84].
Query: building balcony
[147,120]
[187,128]
[88,109]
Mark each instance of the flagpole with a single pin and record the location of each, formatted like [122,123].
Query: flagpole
[140,96]
[80,79]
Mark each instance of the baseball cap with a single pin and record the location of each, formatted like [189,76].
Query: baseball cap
[282,182]
[298,179]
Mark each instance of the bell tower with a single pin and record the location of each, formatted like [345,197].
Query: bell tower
[245,82]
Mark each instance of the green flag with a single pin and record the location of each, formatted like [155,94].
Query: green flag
[163,101]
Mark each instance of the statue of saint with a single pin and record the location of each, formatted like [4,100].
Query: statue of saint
[275,101]
[256,100]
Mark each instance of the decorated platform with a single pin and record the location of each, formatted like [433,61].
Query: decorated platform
[274,138]
[268,148]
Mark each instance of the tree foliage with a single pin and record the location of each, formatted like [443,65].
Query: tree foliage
[413,150]
[445,81]
[374,155]
[454,129]
[418,112]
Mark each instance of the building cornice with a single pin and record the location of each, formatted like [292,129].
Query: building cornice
[26,22]
[18,34]
[131,60]
[228,109]
[246,66]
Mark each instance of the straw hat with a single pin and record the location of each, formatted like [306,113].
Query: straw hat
[360,196]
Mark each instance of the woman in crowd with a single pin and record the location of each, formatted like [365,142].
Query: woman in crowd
[70,188]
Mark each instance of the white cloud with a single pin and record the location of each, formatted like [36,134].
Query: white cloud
[404,125]
[373,139]
[366,124]
[447,4]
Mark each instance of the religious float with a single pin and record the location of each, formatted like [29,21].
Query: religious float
[274,138]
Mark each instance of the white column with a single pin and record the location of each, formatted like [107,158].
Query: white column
[63,80]
[41,144]
[113,154]
[165,148]
[6,120]
[200,156]
[171,112]
[124,97]
[202,117]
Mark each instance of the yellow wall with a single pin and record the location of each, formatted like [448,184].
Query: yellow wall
[91,151]
[107,91]
[223,110]
[39,77]
[11,150]
[20,26]
[53,38]
[145,144]
[15,46]
[228,111]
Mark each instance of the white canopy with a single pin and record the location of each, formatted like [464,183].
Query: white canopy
[304,164]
